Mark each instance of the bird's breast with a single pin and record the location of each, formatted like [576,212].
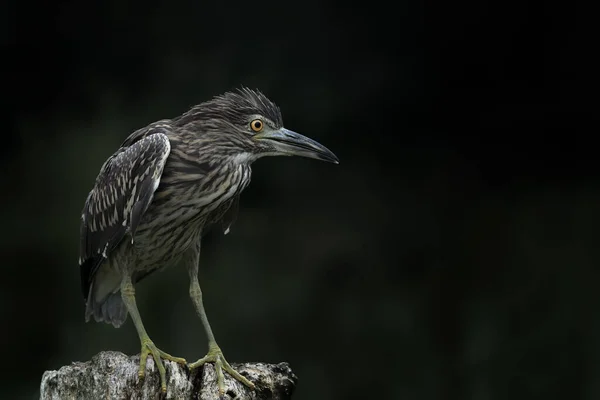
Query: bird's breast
[182,207]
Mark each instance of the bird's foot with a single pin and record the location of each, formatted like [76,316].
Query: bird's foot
[149,348]
[215,355]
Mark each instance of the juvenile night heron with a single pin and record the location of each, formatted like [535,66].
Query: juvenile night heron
[156,195]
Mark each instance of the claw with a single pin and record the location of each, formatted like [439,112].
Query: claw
[215,355]
[149,348]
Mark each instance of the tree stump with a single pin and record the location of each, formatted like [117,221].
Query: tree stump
[113,375]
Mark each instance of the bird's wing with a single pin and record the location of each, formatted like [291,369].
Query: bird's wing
[122,193]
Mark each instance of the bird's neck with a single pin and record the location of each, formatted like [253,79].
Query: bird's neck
[202,186]
[244,158]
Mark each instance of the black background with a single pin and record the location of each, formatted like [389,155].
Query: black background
[452,254]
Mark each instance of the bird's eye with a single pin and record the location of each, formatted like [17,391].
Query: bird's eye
[256,125]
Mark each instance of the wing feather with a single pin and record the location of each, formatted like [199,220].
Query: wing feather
[121,195]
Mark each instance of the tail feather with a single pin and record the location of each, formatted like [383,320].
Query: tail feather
[104,301]
[111,310]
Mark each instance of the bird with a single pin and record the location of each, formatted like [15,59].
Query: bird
[166,186]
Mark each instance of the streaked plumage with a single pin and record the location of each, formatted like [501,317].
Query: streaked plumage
[154,197]
[121,202]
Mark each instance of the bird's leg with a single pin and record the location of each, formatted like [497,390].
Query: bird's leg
[148,346]
[215,355]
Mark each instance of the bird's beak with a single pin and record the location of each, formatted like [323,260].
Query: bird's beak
[289,143]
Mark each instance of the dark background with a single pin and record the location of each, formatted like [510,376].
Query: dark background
[452,254]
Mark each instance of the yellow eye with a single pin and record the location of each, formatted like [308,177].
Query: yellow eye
[256,125]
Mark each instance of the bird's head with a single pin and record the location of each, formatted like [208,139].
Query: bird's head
[249,124]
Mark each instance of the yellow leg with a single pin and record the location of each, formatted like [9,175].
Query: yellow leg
[215,355]
[148,346]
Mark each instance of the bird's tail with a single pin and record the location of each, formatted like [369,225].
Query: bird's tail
[111,310]
[104,301]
